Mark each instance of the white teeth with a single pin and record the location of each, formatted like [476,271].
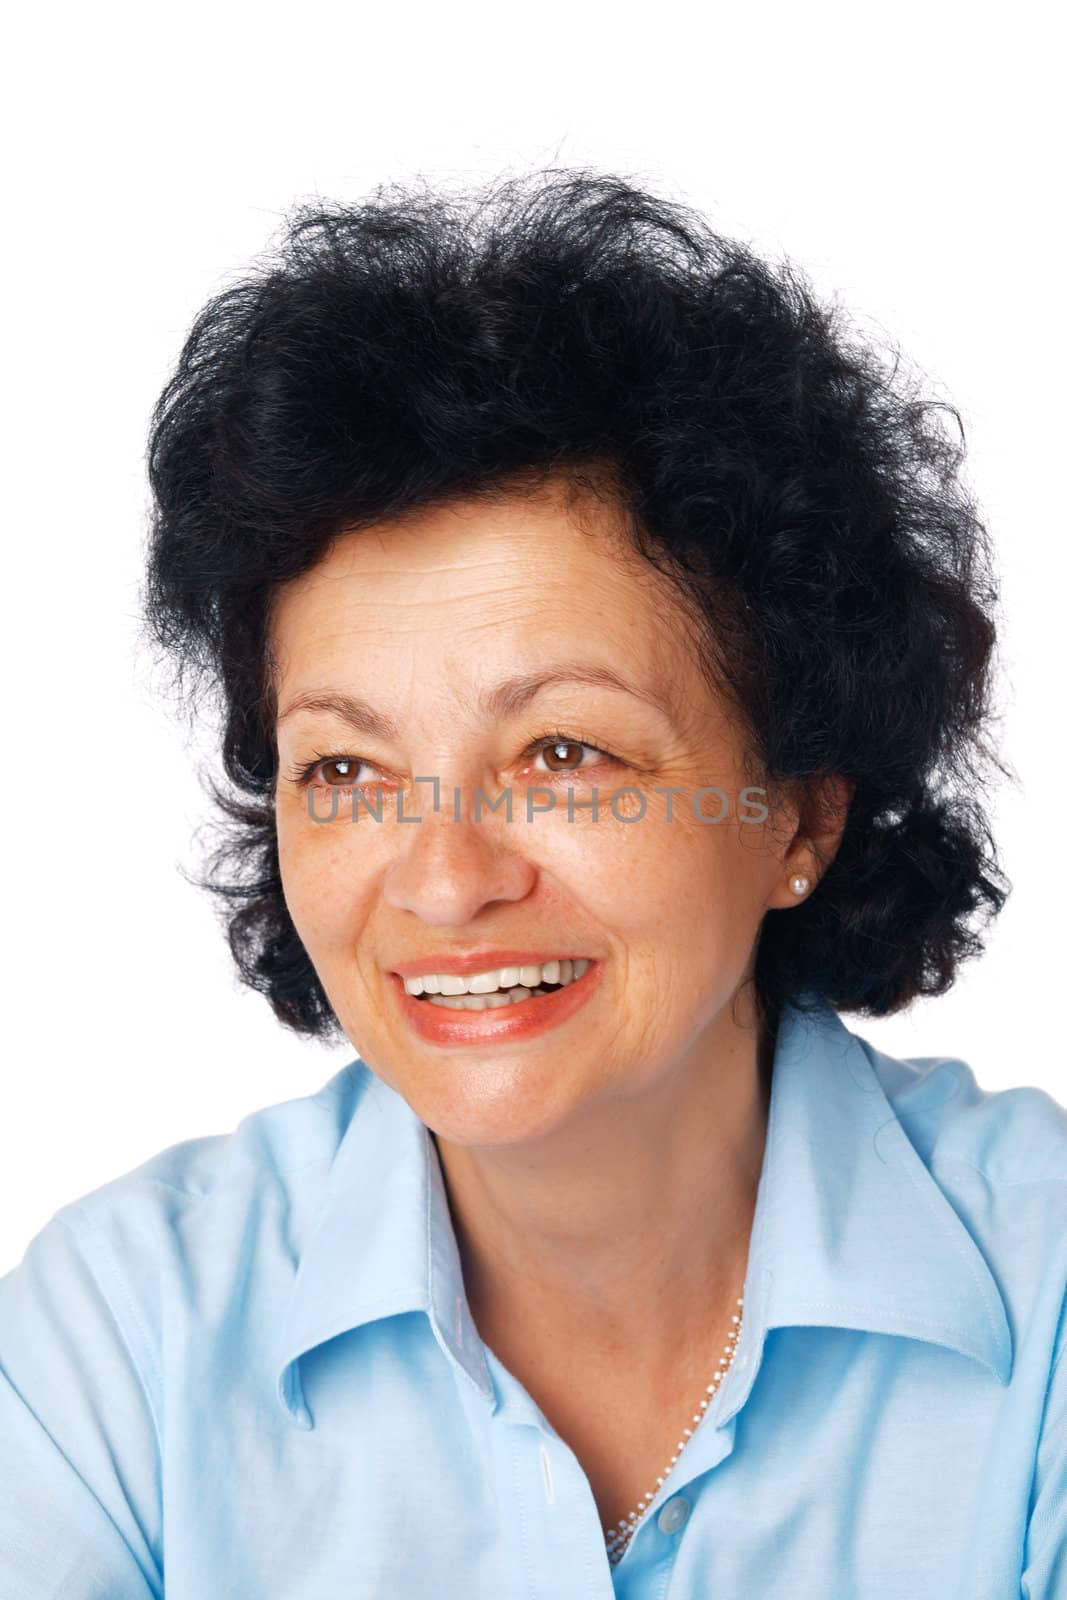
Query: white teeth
[500,987]
[471,1002]
[482,983]
[480,1002]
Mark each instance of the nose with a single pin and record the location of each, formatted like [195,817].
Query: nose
[451,869]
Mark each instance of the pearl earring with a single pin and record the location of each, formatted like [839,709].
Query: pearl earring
[799,885]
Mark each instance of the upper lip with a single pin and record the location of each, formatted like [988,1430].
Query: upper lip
[479,961]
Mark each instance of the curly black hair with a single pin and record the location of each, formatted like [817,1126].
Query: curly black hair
[806,501]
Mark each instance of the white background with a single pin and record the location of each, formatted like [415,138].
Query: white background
[906,157]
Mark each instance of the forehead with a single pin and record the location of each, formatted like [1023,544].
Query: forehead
[520,575]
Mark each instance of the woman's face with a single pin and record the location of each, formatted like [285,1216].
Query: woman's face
[422,621]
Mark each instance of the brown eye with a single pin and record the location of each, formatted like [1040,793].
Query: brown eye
[344,769]
[557,752]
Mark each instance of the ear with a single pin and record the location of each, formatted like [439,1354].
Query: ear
[821,822]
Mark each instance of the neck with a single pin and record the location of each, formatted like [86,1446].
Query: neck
[626,1229]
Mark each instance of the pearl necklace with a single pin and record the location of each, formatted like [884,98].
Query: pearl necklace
[618,1538]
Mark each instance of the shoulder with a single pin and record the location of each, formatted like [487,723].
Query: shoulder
[1010,1136]
[275,1160]
[109,1285]
[274,1146]
[169,1229]
[999,1158]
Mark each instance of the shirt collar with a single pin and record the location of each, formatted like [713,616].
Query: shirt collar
[383,1243]
[850,1229]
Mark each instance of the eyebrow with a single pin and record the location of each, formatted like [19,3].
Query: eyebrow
[503,700]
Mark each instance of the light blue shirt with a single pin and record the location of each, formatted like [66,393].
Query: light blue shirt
[247,1369]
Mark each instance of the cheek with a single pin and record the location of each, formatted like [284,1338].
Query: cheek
[696,890]
[653,864]
[321,882]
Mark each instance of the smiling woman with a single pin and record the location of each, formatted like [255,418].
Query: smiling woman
[433,612]
[605,643]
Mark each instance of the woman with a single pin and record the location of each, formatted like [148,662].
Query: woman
[604,642]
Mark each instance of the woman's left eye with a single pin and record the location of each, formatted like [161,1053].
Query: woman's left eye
[551,747]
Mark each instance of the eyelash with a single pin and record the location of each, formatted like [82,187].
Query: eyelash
[303,774]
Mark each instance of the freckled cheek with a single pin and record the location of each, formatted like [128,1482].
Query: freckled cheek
[635,884]
[680,884]
[324,891]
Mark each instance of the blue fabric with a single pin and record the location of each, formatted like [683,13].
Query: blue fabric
[250,1363]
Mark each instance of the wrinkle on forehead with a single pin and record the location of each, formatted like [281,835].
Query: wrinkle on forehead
[502,583]
[539,574]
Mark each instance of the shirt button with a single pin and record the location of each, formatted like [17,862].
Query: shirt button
[674,1515]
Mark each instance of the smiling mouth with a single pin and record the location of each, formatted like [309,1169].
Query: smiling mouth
[490,1002]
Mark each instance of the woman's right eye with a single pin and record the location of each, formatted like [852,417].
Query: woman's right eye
[342,777]
[346,768]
